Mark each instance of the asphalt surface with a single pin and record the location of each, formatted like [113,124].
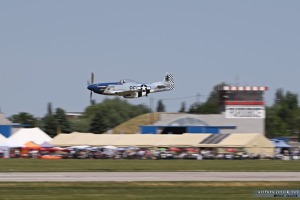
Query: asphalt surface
[147,176]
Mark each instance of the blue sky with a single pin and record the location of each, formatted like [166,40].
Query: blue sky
[48,49]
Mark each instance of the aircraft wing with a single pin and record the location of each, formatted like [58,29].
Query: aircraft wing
[129,94]
[161,86]
[121,92]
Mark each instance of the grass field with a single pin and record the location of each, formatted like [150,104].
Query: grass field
[37,165]
[139,190]
[133,125]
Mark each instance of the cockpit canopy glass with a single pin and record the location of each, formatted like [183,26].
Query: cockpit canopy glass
[127,81]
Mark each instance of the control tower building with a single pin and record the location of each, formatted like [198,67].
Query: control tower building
[242,102]
[242,110]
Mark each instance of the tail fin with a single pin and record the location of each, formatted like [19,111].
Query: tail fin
[169,79]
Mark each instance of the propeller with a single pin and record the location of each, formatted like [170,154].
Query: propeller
[92,78]
[91,83]
[91,96]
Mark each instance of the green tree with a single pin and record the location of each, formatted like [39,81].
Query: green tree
[110,113]
[25,118]
[98,123]
[62,121]
[211,106]
[55,123]
[80,125]
[160,106]
[274,125]
[183,108]
[49,109]
[50,125]
[282,118]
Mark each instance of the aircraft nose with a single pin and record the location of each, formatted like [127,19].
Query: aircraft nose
[90,87]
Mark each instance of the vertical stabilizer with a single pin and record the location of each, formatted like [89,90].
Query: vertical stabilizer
[169,80]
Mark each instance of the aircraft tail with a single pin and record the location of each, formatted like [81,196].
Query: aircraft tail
[169,80]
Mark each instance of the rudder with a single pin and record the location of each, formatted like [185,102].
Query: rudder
[169,79]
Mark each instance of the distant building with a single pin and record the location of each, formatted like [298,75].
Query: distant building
[242,110]
[7,128]
[73,115]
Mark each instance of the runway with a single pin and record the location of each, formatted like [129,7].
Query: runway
[146,176]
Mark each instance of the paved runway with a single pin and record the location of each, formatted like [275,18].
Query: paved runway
[147,176]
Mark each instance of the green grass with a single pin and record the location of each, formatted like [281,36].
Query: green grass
[141,190]
[138,190]
[73,165]
[133,125]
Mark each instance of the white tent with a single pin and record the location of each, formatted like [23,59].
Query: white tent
[5,143]
[4,146]
[36,135]
[2,138]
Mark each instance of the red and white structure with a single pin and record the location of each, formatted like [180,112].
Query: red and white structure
[243,101]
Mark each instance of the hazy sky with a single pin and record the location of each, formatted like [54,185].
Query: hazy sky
[48,49]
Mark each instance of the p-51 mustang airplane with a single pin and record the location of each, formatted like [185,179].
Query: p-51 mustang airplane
[131,89]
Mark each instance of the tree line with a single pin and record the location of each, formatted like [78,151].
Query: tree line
[282,117]
[97,118]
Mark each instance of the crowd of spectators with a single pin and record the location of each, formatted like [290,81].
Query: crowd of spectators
[111,152]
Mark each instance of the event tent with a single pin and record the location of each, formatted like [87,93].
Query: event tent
[255,143]
[105,139]
[3,142]
[80,138]
[184,140]
[280,143]
[2,138]
[77,139]
[125,140]
[32,145]
[63,139]
[149,140]
[23,135]
[4,149]
[139,140]
[46,145]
